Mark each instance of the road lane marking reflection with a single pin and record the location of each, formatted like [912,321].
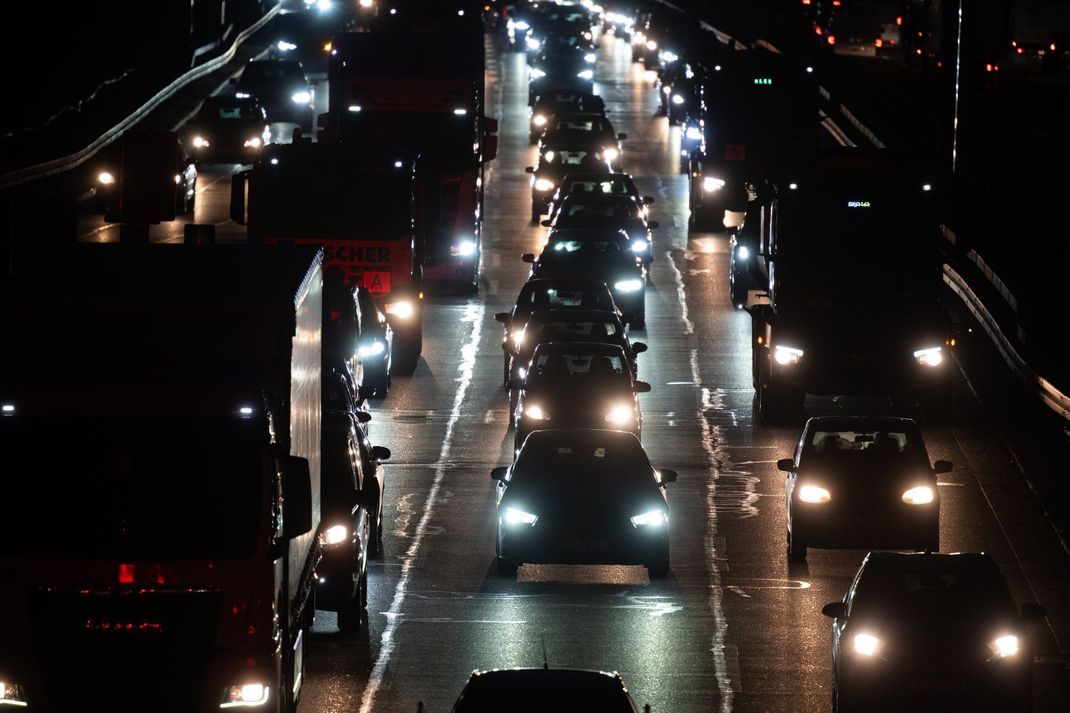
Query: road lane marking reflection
[473,315]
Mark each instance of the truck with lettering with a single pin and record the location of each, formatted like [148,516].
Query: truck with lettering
[850,260]
[359,204]
[422,91]
[162,553]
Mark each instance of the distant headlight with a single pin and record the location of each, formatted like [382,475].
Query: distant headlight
[628,285]
[517,337]
[105,178]
[711,184]
[464,248]
[200,142]
[544,185]
[301,97]
[586,74]
[667,56]
[370,350]
[611,154]
[334,535]
[651,45]
[253,143]
[620,414]
[640,246]
[589,57]
[285,46]
[536,413]
[742,253]
[931,357]
[677,99]
[786,356]
[920,495]
[532,43]
[522,25]
[693,133]
[654,518]
[323,5]
[867,645]
[539,120]
[242,95]
[536,73]
[403,309]
[515,516]
[1004,646]
[814,494]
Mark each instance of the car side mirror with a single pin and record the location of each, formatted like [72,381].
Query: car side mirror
[529,169]
[515,383]
[528,257]
[786,464]
[669,476]
[647,200]
[503,318]
[1032,612]
[835,610]
[499,474]
[639,347]
[641,387]
[943,466]
[546,223]
[622,137]
[296,498]
[380,453]
[362,416]
[653,224]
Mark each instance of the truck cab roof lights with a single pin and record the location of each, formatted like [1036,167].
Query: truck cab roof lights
[245,411]
[355,108]
[926,186]
[398,164]
[793,186]
[460,111]
[7,409]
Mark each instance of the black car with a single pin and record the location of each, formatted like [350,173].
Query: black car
[563,67]
[558,158]
[577,385]
[930,631]
[376,344]
[602,254]
[551,294]
[613,184]
[281,88]
[560,100]
[527,690]
[227,130]
[580,209]
[568,325]
[582,496]
[306,37]
[746,267]
[576,127]
[861,481]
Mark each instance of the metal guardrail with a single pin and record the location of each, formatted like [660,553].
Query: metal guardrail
[66,163]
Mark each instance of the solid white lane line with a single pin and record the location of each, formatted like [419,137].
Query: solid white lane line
[474,315]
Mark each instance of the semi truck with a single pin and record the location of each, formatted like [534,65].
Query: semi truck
[422,91]
[163,552]
[850,259]
[359,204]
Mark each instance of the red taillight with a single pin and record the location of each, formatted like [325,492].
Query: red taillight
[837,3]
[1052,46]
[806,2]
[126,573]
[817,30]
[1021,51]
[832,39]
[899,21]
[878,43]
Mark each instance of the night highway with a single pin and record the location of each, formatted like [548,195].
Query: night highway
[735,625]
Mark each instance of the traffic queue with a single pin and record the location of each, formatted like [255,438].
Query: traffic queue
[265,376]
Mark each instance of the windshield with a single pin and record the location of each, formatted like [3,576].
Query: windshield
[337,201]
[444,136]
[932,593]
[615,185]
[272,72]
[543,330]
[536,296]
[575,370]
[601,210]
[589,459]
[860,451]
[228,110]
[595,124]
[129,490]
[570,251]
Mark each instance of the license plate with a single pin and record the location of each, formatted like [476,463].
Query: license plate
[377,282]
[936,685]
[585,545]
[857,358]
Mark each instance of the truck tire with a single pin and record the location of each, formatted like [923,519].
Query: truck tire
[775,405]
[407,348]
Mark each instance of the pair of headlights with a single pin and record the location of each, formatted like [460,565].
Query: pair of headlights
[871,646]
[619,415]
[651,519]
[918,495]
[930,357]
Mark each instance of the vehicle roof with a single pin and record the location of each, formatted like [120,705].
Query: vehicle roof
[856,423]
[586,140]
[596,348]
[599,198]
[508,678]
[576,315]
[547,438]
[615,234]
[574,282]
[587,176]
[230,100]
[905,562]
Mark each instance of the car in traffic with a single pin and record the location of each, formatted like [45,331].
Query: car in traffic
[376,345]
[281,87]
[543,689]
[602,254]
[568,325]
[227,130]
[576,127]
[746,267]
[861,482]
[580,209]
[582,496]
[569,67]
[576,385]
[614,184]
[558,158]
[931,631]
[551,294]
[560,100]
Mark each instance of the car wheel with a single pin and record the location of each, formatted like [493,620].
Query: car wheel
[349,615]
[796,548]
[507,567]
[375,533]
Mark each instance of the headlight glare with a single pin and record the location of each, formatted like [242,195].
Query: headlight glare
[516,516]
[536,413]
[200,142]
[532,43]
[742,252]
[628,285]
[589,57]
[539,120]
[403,309]
[654,518]
[253,143]
[369,350]
[105,178]
[651,45]
[249,695]
[586,74]
[1004,646]
[693,133]
[640,246]
[620,414]
[814,494]
[867,644]
[919,495]
[301,97]
[677,99]
[930,357]
[464,248]
[11,694]
[611,154]
[522,25]
[334,535]
[544,184]
[711,184]
[786,356]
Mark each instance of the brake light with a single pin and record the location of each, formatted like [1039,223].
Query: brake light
[878,43]
[126,573]
[899,21]
[832,39]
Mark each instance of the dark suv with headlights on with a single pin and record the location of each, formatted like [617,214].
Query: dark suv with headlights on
[860,482]
[557,100]
[558,158]
[607,212]
[577,385]
[931,631]
[282,89]
[614,184]
[582,127]
[227,130]
[582,496]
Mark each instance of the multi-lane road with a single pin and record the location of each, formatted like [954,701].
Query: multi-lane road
[733,627]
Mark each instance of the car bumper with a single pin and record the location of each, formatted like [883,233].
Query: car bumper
[908,526]
[875,686]
[555,545]
[859,373]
